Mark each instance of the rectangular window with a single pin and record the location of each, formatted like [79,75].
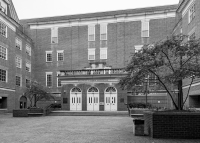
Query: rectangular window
[48,56]
[103,53]
[103,31]
[54,35]
[49,79]
[18,80]
[145,28]
[91,33]
[3,29]
[18,44]
[192,13]
[60,55]
[3,75]
[3,52]
[18,61]
[58,81]
[28,83]
[91,54]
[28,66]
[28,50]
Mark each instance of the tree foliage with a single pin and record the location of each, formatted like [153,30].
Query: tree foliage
[36,92]
[170,60]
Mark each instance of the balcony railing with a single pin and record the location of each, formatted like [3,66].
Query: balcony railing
[92,72]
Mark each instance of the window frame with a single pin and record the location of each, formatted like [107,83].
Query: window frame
[191,12]
[49,52]
[54,34]
[1,53]
[28,50]
[20,82]
[2,30]
[28,65]
[58,80]
[60,52]
[101,50]
[89,51]
[144,28]
[18,60]
[18,44]
[6,76]
[51,74]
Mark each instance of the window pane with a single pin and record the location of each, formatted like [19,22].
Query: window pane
[3,53]
[3,75]
[3,29]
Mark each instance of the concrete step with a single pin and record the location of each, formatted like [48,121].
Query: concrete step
[89,113]
[2,111]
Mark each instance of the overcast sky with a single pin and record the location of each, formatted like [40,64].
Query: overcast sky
[46,8]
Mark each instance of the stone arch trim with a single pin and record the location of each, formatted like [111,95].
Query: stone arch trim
[75,90]
[93,89]
[111,89]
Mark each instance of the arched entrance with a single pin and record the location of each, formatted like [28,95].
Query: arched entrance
[93,99]
[110,99]
[23,102]
[76,99]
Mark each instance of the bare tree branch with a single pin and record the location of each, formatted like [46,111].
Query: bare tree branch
[168,60]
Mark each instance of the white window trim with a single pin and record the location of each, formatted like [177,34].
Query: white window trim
[29,64]
[143,29]
[6,29]
[104,24]
[93,25]
[28,49]
[53,36]
[49,73]
[19,40]
[49,52]
[57,79]
[20,61]
[6,53]
[91,49]
[189,13]
[106,49]
[20,80]
[60,51]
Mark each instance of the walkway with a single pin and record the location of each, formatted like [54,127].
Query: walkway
[72,129]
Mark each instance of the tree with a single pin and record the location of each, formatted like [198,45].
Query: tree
[36,92]
[170,60]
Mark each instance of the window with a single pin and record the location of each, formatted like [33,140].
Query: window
[138,47]
[54,35]
[145,28]
[91,54]
[192,13]
[91,33]
[60,55]
[49,79]
[58,81]
[3,7]
[103,31]
[18,44]
[48,56]
[3,52]
[103,53]
[3,29]
[28,66]
[18,61]
[3,77]
[28,83]
[28,50]
[18,80]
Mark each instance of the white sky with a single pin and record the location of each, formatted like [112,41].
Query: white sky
[27,9]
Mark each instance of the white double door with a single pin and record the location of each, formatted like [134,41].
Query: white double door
[76,102]
[93,101]
[110,102]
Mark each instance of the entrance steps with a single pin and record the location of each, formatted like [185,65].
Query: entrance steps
[88,113]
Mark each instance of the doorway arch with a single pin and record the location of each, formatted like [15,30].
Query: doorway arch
[110,98]
[23,102]
[93,99]
[75,99]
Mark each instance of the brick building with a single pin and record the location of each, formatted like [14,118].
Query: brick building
[16,59]
[81,57]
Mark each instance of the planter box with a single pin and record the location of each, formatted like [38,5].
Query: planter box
[183,125]
[20,113]
[137,112]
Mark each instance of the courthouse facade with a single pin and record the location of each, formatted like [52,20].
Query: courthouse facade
[80,58]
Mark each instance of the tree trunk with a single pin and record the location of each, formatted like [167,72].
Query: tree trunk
[180,95]
[34,100]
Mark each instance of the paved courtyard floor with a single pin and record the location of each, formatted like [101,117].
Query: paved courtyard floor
[73,129]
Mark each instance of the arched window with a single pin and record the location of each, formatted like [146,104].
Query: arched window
[76,89]
[93,89]
[111,89]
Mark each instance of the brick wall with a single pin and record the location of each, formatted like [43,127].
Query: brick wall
[172,125]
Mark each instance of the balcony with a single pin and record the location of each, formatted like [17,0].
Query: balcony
[92,73]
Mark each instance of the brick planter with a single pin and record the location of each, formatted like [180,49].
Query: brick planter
[137,110]
[183,125]
[20,113]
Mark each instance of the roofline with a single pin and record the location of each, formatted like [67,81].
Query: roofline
[172,8]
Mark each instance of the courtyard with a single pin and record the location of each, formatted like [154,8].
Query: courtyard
[73,129]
